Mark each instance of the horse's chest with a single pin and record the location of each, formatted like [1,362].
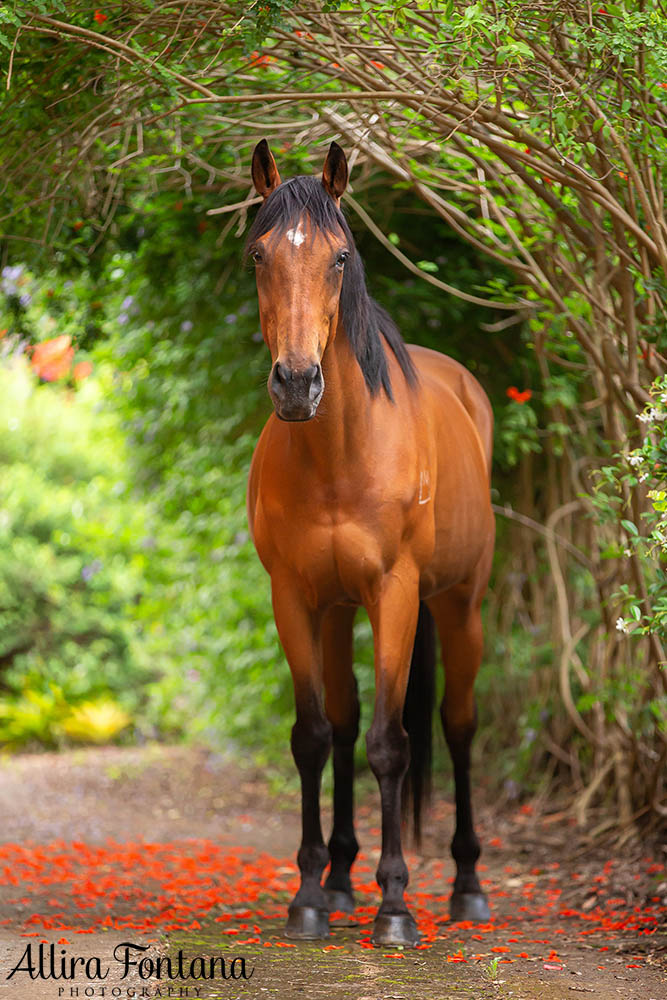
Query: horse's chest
[337,559]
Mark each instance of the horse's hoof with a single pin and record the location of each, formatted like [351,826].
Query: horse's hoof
[339,900]
[307,923]
[395,928]
[469,906]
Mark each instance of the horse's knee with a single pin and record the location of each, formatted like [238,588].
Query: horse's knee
[311,741]
[388,749]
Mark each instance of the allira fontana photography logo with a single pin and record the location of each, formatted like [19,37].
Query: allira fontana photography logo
[48,962]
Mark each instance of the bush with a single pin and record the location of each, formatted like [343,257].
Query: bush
[71,560]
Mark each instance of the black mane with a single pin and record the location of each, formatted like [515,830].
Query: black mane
[365,322]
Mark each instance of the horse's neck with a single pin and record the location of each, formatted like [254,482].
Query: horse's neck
[339,434]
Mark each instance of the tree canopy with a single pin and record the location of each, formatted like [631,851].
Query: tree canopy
[508,183]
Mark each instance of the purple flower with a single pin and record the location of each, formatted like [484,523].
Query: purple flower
[12,273]
[512,789]
[88,572]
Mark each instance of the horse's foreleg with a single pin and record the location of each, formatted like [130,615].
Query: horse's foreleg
[394,621]
[342,709]
[298,629]
[460,628]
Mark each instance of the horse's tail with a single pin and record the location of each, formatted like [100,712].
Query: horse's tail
[418,717]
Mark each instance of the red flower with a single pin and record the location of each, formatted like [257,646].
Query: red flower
[81,371]
[78,225]
[100,17]
[51,359]
[517,396]
[378,65]
[257,60]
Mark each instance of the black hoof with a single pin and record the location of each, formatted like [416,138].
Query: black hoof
[307,923]
[469,906]
[395,928]
[339,900]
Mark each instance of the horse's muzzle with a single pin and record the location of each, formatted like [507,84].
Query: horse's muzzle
[296,394]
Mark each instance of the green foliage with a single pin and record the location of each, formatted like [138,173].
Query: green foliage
[641,470]
[71,570]
[518,432]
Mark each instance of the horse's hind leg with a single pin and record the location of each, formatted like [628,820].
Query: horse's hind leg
[342,708]
[457,616]
[299,631]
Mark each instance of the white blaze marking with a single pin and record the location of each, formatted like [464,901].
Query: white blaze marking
[296,236]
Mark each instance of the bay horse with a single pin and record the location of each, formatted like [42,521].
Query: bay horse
[369,486]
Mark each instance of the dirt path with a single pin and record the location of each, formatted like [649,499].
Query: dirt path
[180,852]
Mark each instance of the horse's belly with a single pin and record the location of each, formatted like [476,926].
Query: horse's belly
[461,538]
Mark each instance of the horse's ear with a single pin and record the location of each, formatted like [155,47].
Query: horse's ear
[265,174]
[334,175]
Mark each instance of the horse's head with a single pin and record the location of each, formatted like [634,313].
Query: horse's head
[299,244]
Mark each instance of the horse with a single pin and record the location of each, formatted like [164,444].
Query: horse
[369,486]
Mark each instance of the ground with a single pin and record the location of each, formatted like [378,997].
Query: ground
[183,850]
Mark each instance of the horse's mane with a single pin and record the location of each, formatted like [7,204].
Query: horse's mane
[365,322]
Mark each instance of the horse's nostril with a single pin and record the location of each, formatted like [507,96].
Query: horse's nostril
[311,372]
[316,382]
[280,374]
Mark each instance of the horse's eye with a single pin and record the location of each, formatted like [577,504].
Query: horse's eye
[341,258]
[255,256]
